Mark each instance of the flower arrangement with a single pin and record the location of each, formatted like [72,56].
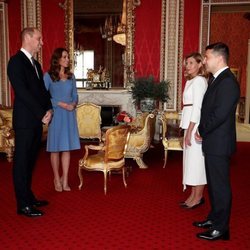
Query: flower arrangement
[123,117]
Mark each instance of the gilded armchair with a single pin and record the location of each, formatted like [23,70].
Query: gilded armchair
[109,156]
[89,120]
[140,139]
[6,133]
[7,137]
[172,138]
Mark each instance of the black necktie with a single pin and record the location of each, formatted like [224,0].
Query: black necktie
[211,79]
[34,65]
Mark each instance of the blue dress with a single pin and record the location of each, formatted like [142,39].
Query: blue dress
[63,131]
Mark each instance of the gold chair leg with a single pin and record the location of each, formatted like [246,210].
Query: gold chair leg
[123,177]
[141,163]
[105,181]
[80,177]
[165,157]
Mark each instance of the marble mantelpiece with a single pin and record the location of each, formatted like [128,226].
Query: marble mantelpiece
[110,97]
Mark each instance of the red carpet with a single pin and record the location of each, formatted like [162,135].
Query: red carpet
[146,215]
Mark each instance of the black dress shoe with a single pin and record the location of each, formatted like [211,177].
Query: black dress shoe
[40,203]
[203,224]
[30,212]
[202,201]
[214,235]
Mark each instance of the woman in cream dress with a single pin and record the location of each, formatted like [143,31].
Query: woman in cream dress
[193,160]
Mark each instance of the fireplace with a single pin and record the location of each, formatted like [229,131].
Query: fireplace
[108,113]
[112,101]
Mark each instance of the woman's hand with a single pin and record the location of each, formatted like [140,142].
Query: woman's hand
[67,106]
[187,138]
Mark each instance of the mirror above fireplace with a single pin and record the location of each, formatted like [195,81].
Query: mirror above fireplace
[87,28]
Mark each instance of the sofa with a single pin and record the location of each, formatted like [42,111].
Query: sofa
[7,141]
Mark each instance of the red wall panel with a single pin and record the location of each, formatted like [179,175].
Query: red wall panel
[147,38]
[53,28]
[234,30]
[14,20]
[192,10]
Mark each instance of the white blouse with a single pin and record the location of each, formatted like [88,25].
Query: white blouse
[193,94]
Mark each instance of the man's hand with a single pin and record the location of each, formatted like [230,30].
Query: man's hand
[197,137]
[47,118]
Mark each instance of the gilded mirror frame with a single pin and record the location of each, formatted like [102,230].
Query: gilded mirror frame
[4,55]
[130,30]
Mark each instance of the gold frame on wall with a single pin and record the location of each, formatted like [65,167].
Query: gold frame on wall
[4,55]
[172,50]
[130,30]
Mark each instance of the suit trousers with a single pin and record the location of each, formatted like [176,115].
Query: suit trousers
[219,189]
[27,145]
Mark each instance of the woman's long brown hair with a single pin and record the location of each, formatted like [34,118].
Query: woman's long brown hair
[55,66]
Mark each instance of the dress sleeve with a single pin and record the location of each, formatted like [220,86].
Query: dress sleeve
[48,81]
[199,89]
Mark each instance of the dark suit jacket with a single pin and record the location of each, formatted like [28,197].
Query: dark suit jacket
[217,124]
[32,100]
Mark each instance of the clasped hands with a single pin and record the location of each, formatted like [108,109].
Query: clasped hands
[67,106]
[187,138]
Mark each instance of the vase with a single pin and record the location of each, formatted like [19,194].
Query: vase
[147,105]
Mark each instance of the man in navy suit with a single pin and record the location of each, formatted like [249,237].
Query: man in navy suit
[218,135]
[32,108]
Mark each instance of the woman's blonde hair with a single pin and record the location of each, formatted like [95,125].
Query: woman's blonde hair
[199,59]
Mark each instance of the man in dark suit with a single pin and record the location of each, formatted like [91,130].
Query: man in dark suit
[32,108]
[218,134]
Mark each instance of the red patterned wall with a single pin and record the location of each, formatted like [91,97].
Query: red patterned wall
[147,38]
[191,26]
[14,20]
[52,27]
[148,33]
[234,30]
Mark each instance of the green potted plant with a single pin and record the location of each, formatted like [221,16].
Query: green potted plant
[146,91]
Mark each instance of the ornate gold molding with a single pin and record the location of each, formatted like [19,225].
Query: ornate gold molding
[4,55]
[130,30]
[172,49]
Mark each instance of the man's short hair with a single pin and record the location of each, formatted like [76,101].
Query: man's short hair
[27,30]
[221,49]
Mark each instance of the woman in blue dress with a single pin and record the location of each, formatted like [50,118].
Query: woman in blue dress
[63,131]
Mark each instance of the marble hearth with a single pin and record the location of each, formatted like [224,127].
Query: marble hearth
[110,97]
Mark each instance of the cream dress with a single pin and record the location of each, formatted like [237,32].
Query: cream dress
[193,159]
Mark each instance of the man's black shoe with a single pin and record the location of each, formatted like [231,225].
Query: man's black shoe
[203,224]
[214,235]
[40,203]
[30,212]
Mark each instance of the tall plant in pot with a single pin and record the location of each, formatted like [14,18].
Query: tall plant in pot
[146,91]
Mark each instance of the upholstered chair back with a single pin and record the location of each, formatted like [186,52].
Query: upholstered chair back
[89,120]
